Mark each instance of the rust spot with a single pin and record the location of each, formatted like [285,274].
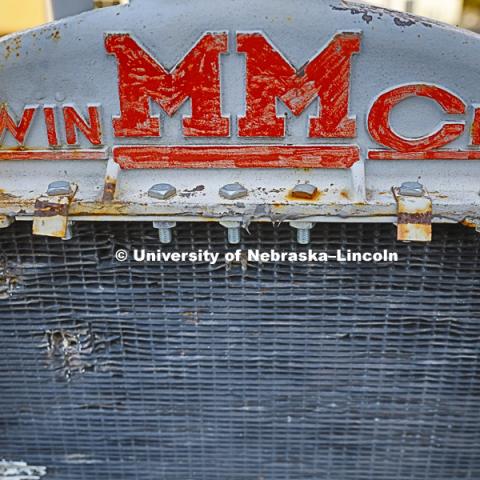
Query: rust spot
[96,208]
[415,233]
[46,208]
[419,218]
[55,35]
[345,194]
[6,196]
[12,47]
[109,189]
[295,196]
[469,223]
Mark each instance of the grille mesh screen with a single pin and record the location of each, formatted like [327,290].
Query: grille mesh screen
[269,372]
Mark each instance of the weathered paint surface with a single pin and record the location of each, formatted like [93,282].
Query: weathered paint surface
[267,95]
[414,218]
[141,78]
[380,128]
[220,156]
[270,76]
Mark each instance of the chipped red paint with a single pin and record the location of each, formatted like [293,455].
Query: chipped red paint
[54,154]
[379,118]
[74,121]
[196,77]
[271,76]
[238,156]
[51,126]
[18,131]
[476,126]
[427,155]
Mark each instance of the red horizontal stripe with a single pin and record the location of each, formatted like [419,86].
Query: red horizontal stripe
[429,155]
[53,154]
[237,156]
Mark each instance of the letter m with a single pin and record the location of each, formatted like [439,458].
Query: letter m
[271,76]
[142,78]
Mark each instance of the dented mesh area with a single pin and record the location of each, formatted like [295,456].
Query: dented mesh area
[275,371]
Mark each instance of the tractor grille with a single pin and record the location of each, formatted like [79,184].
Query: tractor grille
[271,371]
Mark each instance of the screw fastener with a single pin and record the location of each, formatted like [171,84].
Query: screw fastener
[60,187]
[233,231]
[232,191]
[162,191]
[164,231]
[303,231]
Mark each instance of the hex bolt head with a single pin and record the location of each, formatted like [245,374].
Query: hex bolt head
[411,189]
[305,191]
[232,191]
[162,191]
[60,187]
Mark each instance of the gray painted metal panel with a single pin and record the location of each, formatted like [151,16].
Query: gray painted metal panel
[66,63]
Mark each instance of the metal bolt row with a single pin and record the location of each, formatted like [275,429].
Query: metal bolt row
[231,191]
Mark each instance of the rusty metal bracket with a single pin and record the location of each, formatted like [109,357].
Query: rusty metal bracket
[51,215]
[6,221]
[473,223]
[414,213]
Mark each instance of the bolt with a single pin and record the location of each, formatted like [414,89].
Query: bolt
[164,231]
[233,191]
[233,231]
[303,231]
[304,190]
[303,236]
[411,189]
[162,191]
[59,188]
[233,235]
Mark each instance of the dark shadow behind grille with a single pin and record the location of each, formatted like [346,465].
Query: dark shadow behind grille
[276,371]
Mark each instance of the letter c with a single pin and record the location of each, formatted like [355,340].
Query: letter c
[379,118]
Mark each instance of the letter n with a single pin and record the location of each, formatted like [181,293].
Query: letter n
[142,78]
[271,76]
[18,130]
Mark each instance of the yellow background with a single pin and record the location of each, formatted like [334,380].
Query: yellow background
[21,14]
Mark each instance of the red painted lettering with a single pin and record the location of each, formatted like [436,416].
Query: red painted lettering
[51,126]
[19,130]
[74,121]
[476,126]
[382,132]
[271,76]
[196,77]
